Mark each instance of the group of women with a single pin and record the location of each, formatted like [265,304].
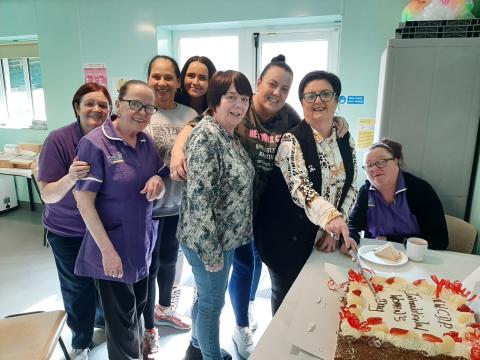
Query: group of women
[194,158]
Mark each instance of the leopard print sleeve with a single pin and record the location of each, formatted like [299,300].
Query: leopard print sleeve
[290,160]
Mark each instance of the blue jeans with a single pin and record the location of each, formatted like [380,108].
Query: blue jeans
[211,287]
[80,297]
[246,271]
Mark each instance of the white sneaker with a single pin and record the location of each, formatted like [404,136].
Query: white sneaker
[242,337]
[80,354]
[251,317]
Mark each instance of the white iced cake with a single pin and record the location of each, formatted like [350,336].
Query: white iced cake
[408,320]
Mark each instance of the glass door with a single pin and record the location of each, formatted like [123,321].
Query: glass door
[304,52]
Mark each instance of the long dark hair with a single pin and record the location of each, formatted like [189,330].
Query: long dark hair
[183,97]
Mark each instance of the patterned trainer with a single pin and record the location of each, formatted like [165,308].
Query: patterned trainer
[151,341]
[169,317]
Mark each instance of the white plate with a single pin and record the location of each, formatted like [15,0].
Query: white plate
[366,252]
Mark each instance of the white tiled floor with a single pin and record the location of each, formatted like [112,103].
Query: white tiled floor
[29,282]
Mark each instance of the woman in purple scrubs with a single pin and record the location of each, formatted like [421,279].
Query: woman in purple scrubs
[115,201]
[393,204]
[58,172]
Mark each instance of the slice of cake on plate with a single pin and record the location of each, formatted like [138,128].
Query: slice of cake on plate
[388,252]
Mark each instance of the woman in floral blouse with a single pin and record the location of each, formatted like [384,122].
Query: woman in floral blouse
[216,211]
[311,188]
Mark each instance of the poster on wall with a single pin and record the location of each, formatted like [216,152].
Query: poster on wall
[365,128]
[96,73]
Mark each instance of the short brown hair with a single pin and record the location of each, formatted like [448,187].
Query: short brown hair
[221,81]
[86,89]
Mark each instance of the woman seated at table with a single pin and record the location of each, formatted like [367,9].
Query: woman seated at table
[311,187]
[115,201]
[394,204]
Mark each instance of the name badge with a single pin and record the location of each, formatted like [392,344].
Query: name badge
[115,158]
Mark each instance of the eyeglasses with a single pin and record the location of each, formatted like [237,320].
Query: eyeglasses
[233,99]
[379,164]
[326,95]
[137,106]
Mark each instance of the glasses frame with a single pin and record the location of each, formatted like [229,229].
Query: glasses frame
[329,93]
[143,106]
[376,163]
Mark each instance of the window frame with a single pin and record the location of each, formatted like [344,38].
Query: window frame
[6,94]
[247,53]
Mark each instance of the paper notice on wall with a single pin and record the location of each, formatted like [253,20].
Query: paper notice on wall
[365,128]
[96,73]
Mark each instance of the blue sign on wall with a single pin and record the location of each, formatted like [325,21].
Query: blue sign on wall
[355,100]
[342,99]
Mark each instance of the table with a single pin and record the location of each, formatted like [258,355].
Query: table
[42,330]
[29,175]
[274,343]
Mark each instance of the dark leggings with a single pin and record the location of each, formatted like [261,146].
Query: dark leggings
[162,268]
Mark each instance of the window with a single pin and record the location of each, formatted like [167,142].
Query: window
[248,49]
[22,103]
[225,51]
[321,46]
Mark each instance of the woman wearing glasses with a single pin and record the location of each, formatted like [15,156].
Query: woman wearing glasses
[394,204]
[311,188]
[216,210]
[164,77]
[115,201]
[267,119]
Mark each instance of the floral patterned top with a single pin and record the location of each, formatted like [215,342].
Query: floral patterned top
[216,210]
[319,208]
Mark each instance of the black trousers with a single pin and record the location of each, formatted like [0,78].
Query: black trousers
[78,292]
[281,281]
[123,305]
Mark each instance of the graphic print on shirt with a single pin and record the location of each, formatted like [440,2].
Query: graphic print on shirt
[164,136]
[265,146]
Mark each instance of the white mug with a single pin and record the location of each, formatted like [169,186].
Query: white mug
[416,248]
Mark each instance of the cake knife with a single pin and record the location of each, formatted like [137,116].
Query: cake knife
[354,255]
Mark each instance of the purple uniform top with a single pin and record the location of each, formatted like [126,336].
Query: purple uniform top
[118,172]
[391,219]
[58,151]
